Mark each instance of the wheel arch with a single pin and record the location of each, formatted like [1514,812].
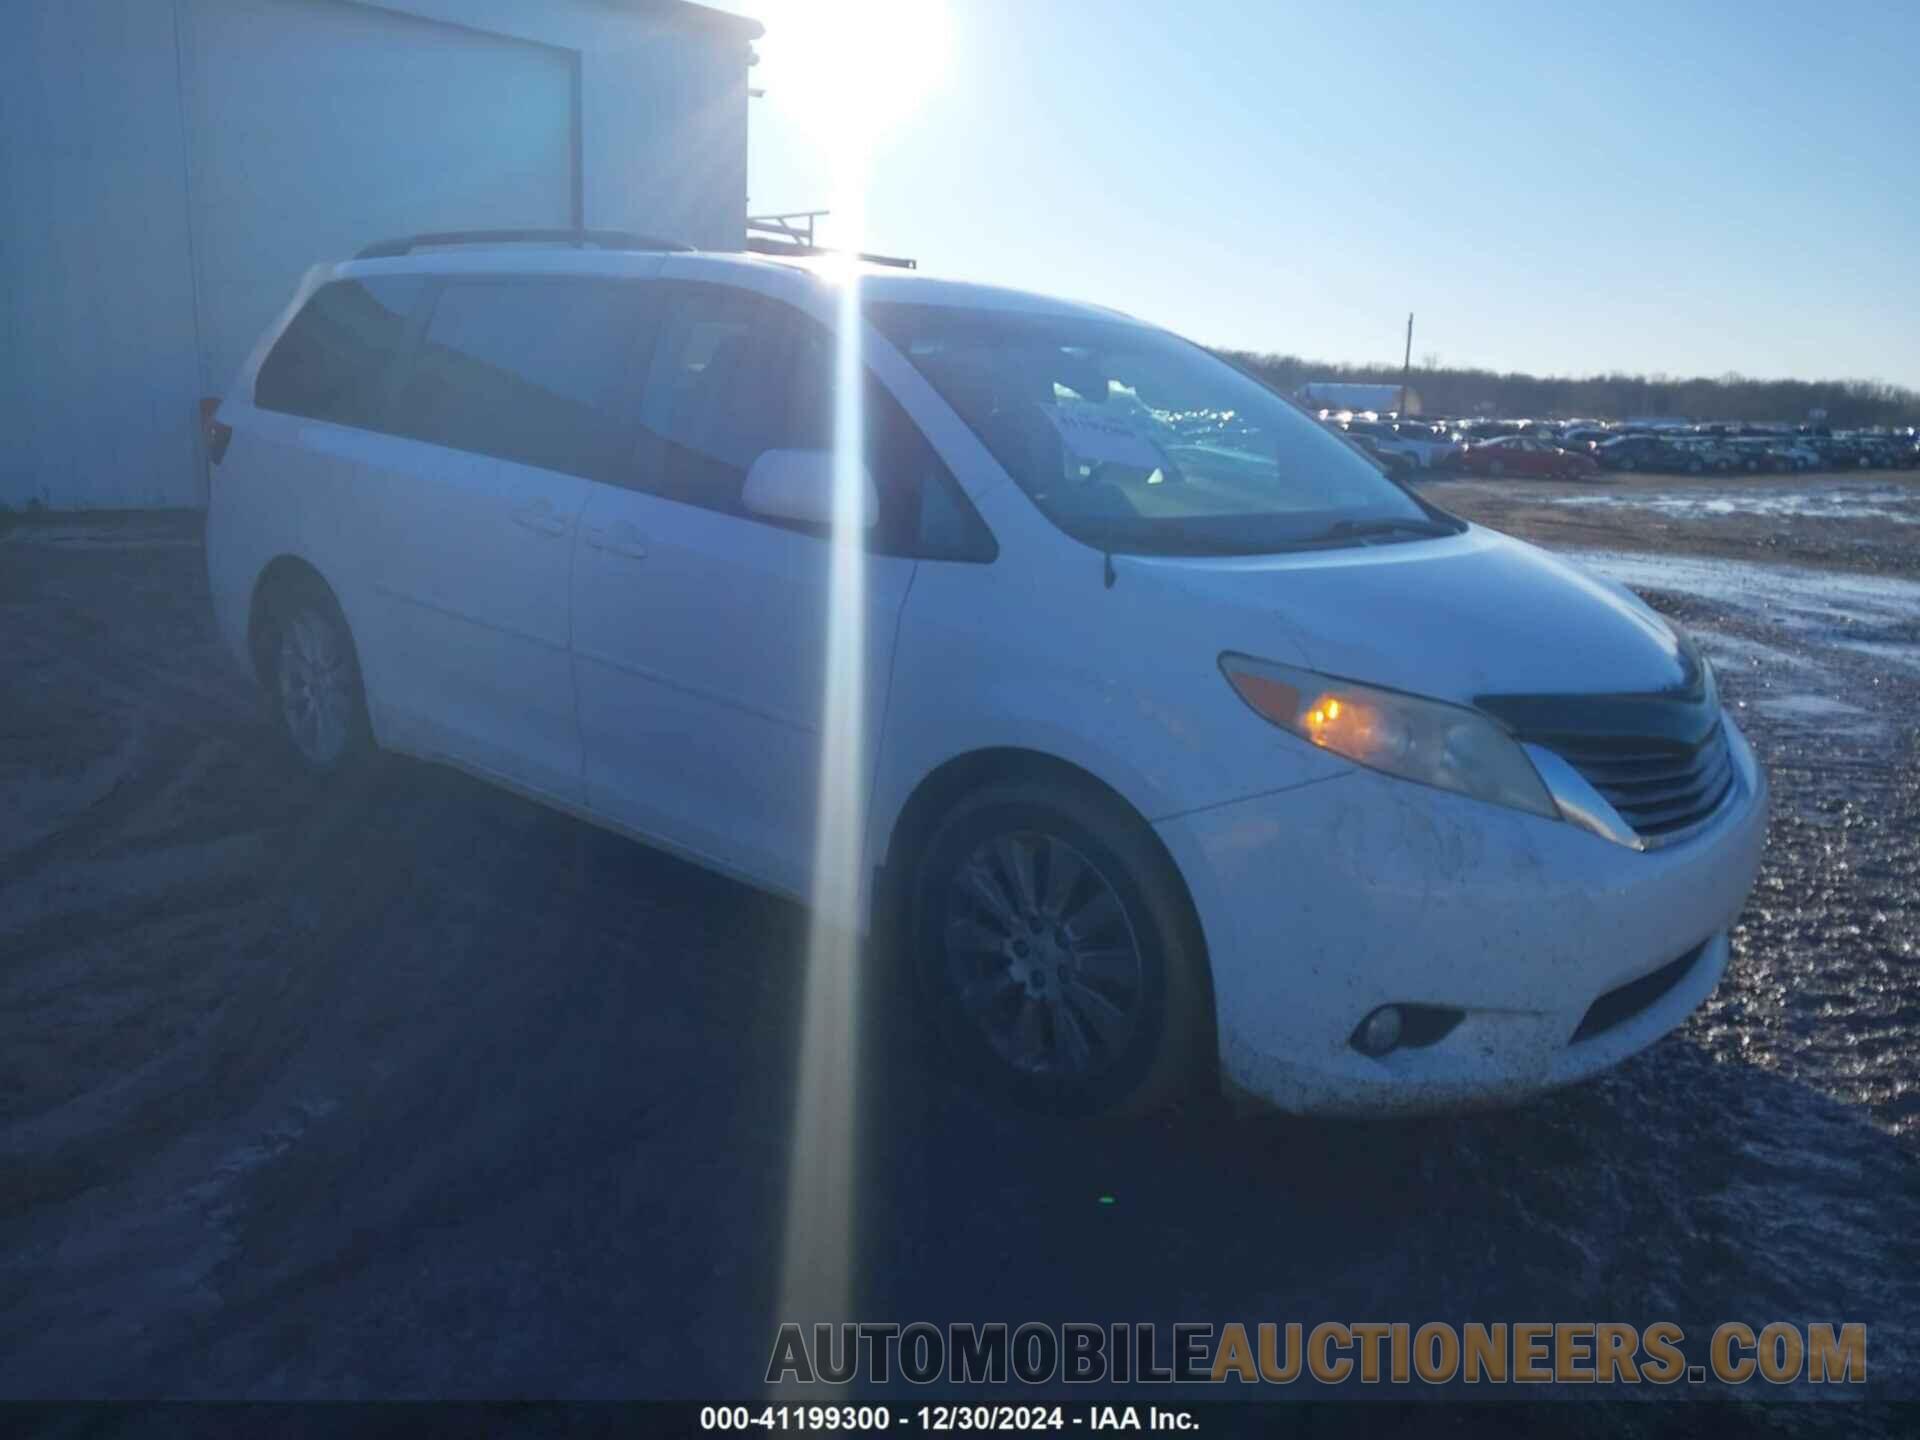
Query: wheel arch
[953,780]
[961,775]
[281,576]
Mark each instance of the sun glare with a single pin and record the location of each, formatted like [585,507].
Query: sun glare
[822,1177]
[849,70]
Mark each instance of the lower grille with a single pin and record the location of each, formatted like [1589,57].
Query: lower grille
[1659,788]
[1621,1004]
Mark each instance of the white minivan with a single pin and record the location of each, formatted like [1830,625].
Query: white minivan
[1195,750]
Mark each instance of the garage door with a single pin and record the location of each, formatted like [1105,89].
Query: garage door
[319,126]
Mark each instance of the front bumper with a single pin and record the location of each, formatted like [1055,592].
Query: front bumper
[1321,903]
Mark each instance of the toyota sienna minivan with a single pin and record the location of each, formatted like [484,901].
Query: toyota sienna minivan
[1194,749]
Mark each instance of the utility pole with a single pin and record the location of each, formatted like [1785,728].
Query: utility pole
[1406,367]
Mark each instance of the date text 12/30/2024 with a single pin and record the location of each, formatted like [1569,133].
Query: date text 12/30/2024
[943,1418]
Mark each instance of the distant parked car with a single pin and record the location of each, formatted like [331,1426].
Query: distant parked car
[1707,454]
[1754,455]
[1392,459]
[1583,438]
[1431,446]
[1523,455]
[1641,452]
[1795,454]
[1844,453]
[1381,441]
[1474,431]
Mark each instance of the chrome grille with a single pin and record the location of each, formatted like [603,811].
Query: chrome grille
[1659,788]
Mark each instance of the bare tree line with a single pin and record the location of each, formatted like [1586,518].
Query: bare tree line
[1451,390]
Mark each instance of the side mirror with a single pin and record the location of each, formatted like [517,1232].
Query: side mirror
[798,485]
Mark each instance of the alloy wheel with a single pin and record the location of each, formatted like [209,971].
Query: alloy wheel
[316,688]
[1042,956]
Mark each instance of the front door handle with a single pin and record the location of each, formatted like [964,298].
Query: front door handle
[619,539]
[539,516]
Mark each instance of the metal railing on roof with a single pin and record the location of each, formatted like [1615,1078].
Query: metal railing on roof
[786,235]
[577,239]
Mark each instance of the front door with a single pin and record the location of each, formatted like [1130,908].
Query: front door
[700,631]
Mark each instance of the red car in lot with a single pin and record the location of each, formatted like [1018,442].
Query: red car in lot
[1523,455]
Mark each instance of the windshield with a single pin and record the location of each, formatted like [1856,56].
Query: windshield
[1132,439]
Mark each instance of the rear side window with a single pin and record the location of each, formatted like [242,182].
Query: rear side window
[530,370]
[332,363]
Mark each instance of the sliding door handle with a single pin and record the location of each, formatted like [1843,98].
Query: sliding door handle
[621,539]
[539,516]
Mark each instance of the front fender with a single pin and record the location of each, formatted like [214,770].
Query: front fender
[1101,681]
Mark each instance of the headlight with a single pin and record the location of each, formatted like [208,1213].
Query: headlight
[1446,746]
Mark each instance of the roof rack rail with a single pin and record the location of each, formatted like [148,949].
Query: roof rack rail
[787,226]
[785,235]
[578,239]
[762,245]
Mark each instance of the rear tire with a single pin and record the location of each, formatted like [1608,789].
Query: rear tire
[313,682]
[1056,954]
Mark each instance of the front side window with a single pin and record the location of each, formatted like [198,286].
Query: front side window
[718,395]
[333,361]
[535,370]
[736,374]
[1129,438]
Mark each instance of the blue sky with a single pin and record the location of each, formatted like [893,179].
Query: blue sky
[1682,187]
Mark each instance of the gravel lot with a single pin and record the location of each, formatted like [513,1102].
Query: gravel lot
[409,1088]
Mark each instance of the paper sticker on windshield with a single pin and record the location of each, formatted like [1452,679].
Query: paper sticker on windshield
[1096,439]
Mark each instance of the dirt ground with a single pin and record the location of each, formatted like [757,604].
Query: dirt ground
[1858,520]
[409,1088]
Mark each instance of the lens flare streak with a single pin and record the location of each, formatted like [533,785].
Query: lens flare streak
[822,1180]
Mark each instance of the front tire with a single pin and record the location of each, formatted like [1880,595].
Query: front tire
[1056,953]
[313,680]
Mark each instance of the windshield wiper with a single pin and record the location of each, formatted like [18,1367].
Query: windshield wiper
[1109,542]
[1367,529]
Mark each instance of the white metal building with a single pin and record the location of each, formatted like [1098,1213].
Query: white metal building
[1349,395]
[168,168]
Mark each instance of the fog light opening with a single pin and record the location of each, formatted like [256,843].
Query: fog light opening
[1379,1032]
[1404,1027]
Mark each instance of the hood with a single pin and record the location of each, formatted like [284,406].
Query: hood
[1459,618]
